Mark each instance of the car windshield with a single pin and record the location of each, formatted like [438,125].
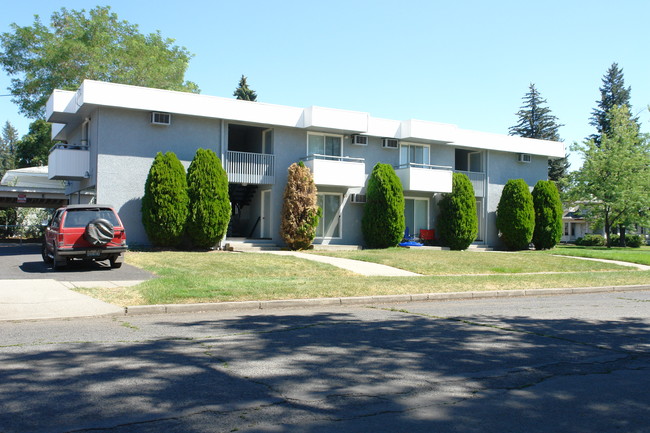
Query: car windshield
[81,217]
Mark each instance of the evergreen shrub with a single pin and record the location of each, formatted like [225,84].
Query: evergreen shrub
[165,201]
[300,211]
[383,222]
[516,215]
[591,240]
[458,222]
[209,203]
[548,215]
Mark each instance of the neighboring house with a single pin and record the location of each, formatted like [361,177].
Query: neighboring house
[111,133]
[574,225]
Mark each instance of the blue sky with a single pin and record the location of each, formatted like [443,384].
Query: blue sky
[465,62]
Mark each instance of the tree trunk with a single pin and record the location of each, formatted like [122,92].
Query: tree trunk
[621,232]
[608,228]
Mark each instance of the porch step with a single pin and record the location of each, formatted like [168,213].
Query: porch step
[479,248]
[242,244]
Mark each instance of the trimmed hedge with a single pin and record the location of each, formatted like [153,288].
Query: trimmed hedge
[209,203]
[458,222]
[165,200]
[383,222]
[516,215]
[300,211]
[591,240]
[548,215]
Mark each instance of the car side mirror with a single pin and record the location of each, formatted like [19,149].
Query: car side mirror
[44,223]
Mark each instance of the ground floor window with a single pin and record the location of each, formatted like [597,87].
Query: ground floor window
[416,214]
[330,221]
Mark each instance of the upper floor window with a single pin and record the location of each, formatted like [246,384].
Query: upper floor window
[469,160]
[323,144]
[413,153]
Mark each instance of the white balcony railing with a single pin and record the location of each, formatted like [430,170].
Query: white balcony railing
[337,170]
[247,167]
[68,162]
[478,181]
[425,177]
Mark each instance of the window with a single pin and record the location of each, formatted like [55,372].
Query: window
[566,229]
[416,214]
[468,160]
[320,144]
[329,225]
[267,141]
[413,153]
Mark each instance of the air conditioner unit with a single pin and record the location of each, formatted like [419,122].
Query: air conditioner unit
[523,157]
[360,140]
[358,198]
[390,143]
[161,118]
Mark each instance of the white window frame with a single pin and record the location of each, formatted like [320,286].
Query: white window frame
[339,212]
[407,144]
[322,134]
[428,213]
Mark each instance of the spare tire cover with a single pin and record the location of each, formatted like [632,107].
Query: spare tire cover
[99,232]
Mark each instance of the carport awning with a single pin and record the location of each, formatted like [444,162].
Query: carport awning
[32,197]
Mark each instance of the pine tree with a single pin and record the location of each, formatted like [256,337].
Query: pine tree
[243,92]
[536,121]
[209,203]
[548,215]
[458,222]
[383,221]
[300,212]
[516,215]
[612,93]
[165,201]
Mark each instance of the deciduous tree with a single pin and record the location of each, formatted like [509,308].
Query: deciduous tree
[34,148]
[94,45]
[300,212]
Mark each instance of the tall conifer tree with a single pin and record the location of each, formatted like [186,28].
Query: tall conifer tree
[243,92]
[536,121]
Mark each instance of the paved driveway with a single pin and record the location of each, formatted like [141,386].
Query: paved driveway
[25,262]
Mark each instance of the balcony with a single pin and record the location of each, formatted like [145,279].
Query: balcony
[68,162]
[248,167]
[478,181]
[337,170]
[425,177]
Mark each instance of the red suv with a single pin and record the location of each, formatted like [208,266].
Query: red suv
[89,232]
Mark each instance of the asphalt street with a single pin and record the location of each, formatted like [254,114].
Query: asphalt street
[571,363]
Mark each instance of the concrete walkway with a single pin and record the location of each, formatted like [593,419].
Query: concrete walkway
[363,268]
[615,262]
[51,299]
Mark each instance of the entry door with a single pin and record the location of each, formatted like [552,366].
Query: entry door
[479,215]
[265,231]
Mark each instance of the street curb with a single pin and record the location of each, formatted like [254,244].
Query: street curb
[365,300]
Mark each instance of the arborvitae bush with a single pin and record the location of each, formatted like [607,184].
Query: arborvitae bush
[548,215]
[209,208]
[383,217]
[458,222]
[164,204]
[300,211]
[516,215]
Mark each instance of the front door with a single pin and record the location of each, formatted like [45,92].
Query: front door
[265,231]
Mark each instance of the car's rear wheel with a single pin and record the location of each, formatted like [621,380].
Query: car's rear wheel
[45,254]
[114,263]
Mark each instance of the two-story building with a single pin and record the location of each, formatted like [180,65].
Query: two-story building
[110,134]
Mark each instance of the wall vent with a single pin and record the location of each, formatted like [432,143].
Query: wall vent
[161,118]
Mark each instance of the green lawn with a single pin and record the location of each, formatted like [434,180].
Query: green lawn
[634,255]
[185,277]
[431,262]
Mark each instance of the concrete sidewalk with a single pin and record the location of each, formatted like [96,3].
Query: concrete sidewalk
[51,299]
[358,267]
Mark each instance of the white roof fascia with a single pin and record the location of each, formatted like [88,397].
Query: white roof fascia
[62,105]
[509,143]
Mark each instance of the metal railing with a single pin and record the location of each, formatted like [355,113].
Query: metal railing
[478,181]
[332,158]
[425,166]
[248,167]
[69,147]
